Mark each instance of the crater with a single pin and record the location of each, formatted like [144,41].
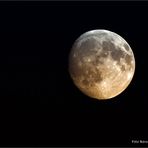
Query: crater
[97,60]
[104,54]
[117,54]
[126,47]
[122,67]
[128,59]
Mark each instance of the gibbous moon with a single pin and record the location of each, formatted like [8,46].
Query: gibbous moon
[101,64]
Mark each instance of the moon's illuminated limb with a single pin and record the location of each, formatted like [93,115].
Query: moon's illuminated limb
[101,64]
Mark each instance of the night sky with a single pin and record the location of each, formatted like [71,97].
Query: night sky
[39,104]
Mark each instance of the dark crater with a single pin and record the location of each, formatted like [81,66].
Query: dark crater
[126,47]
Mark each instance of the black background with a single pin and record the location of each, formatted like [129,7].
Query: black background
[39,104]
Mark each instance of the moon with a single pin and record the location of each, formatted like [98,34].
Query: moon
[101,64]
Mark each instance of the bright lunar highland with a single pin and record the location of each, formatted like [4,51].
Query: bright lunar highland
[101,64]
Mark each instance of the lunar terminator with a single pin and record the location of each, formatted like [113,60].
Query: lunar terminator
[101,64]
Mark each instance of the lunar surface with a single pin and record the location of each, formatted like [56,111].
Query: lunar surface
[101,64]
